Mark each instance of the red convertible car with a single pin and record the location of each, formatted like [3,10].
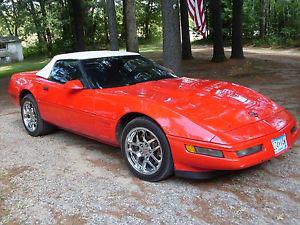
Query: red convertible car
[164,124]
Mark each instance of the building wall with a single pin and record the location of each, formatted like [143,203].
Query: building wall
[15,51]
[12,53]
[3,53]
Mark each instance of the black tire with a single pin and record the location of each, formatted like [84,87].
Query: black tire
[166,168]
[43,127]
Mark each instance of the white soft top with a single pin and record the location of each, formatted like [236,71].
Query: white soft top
[45,72]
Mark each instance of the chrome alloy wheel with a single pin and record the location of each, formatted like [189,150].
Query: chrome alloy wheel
[29,116]
[143,151]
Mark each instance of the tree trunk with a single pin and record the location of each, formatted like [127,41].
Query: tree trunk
[171,35]
[132,44]
[77,22]
[237,36]
[48,32]
[148,19]
[185,31]
[106,29]
[268,16]
[65,18]
[262,21]
[112,25]
[217,34]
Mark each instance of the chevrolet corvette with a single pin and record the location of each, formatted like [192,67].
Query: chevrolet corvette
[164,124]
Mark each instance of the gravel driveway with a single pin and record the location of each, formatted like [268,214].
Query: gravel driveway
[63,178]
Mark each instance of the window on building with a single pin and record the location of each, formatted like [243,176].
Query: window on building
[2,46]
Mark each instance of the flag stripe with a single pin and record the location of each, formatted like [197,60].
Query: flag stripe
[197,13]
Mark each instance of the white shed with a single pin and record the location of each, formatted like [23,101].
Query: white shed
[10,49]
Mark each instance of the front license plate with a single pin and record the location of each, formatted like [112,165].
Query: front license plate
[279,144]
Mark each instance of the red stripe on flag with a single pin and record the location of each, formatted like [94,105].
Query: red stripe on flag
[197,12]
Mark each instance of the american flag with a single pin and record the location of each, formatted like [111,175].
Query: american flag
[197,12]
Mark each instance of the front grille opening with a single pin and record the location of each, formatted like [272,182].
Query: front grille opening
[293,130]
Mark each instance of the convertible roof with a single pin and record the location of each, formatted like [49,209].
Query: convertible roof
[45,72]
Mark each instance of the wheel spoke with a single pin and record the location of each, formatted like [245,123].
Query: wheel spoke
[150,141]
[151,164]
[156,148]
[154,158]
[144,165]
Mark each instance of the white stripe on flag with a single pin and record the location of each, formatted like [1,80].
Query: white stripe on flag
[196,9]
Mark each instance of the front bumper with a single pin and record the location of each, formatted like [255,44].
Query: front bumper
[185,162]
[201,175]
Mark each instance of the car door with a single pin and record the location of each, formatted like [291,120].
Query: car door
[64,107]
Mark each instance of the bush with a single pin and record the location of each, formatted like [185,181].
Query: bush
[34,51]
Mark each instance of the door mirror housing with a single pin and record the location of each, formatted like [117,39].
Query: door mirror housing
[74,85]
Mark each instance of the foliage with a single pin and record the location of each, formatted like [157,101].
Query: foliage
[282,22]
[46,26]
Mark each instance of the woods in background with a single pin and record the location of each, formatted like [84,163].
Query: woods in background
[51,27]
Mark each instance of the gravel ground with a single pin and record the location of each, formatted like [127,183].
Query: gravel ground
[63,178]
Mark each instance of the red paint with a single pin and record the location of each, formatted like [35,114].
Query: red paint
[212,114]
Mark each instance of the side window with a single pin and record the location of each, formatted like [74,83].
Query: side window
[105,72]
[64,71]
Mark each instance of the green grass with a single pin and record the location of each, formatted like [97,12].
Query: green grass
[26,65]
[151,47]
[154,47]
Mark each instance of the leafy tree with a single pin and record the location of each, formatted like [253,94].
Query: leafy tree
[49,26]
[11,14]
[30,5]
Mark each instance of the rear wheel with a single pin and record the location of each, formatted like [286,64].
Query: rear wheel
[33,123]
[146,150]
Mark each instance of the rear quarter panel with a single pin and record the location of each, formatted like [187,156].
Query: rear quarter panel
[22,82]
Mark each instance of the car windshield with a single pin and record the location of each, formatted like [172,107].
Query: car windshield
[123,70]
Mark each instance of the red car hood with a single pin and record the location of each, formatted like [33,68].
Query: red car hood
[215,105]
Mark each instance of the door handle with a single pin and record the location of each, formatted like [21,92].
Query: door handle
[45,88]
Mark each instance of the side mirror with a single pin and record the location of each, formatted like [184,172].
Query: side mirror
[74,85]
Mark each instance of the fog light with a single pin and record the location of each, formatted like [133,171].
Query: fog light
[210,152]
[249,151]
[204,151]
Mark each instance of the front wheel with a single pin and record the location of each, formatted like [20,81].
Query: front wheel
[146,150]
